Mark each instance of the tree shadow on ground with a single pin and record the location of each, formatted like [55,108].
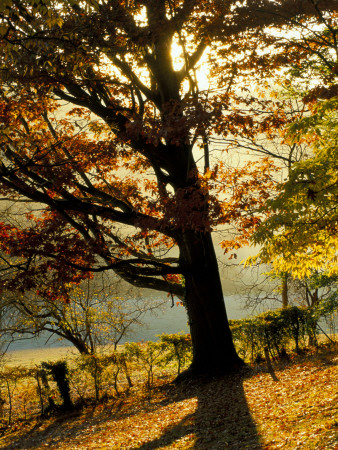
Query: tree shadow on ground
[201,415]
[222,419]
[41,432]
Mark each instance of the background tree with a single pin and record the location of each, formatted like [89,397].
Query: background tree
[300,235]
[93,319]
[113,199]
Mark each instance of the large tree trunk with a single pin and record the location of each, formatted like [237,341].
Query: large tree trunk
[213,349]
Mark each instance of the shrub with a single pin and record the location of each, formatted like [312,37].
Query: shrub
[59,372]
[177,348]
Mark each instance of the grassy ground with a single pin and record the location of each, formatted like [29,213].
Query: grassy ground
[248,411]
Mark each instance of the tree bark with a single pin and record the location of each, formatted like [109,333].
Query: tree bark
[213,349]
[285,297]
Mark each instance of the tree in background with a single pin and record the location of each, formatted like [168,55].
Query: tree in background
[124,177]
[300,237]
[94,318]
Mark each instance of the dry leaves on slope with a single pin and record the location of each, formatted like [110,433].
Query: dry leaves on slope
[297,412]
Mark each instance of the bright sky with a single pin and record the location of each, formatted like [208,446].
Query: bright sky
[201,71]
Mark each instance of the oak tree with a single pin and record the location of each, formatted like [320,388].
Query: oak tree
[123,177]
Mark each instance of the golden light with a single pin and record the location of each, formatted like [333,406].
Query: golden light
[201,71]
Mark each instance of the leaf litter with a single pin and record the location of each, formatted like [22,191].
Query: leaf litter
[247,411]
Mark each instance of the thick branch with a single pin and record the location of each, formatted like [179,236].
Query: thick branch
[133,265]
[127,71]
[150,282]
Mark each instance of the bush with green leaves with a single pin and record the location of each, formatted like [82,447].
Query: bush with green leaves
[14,402]
[148,354]
[178,348]
[95,365]
[277,330]
[120,363]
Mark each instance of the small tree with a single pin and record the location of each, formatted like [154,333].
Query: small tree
[94,365]
[10,379]
[95,316]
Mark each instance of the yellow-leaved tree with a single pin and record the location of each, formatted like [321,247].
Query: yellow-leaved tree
[300,236]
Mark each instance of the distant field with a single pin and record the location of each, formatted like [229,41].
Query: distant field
[30,357]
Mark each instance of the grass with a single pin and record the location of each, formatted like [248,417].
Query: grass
[247,411]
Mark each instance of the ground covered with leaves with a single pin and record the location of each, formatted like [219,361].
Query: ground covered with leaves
[295,409]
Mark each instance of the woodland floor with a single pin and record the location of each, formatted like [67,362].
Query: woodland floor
[250,411]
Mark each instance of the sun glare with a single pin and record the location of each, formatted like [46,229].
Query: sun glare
[201,71]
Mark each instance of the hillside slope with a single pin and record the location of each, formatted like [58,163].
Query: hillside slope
[299,411]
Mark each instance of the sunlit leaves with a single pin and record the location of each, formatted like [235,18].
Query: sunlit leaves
[305,216]
[300,235]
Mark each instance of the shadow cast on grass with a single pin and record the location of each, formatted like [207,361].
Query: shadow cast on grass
[40,433]
[222,419]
